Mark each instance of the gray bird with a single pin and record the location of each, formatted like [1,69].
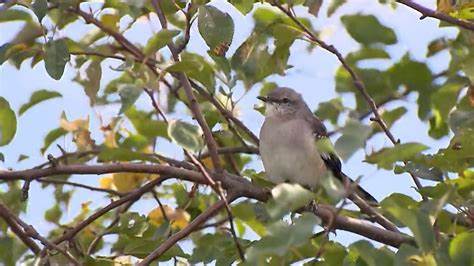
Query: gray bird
[289,141]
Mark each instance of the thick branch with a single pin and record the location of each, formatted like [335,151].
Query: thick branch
[238,185]
[426,12]
[362,228]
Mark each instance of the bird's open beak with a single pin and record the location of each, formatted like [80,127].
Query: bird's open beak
[263,98]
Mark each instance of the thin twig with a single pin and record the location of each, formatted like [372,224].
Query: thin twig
[74,184]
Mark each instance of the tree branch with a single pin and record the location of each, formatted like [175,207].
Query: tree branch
[91,188]
[426,12]
[30,231]
[238,185]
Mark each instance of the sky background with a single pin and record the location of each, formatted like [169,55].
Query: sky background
[312,75]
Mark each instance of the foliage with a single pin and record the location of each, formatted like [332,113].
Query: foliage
[439,220]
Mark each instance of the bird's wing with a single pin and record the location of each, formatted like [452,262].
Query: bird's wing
[330,158]
[325,147]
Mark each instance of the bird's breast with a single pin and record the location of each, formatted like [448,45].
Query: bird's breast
[289,152]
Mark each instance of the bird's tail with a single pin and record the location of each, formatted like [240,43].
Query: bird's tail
[359,191]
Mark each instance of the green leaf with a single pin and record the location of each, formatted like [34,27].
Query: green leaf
[386,157]
[371,256]
[244,6]
[51,137]
[367,53]
[354,135]
[131,224]
[129,94]
[390,117]
[405,254]
[330,110]
[53,214]
[218,247]
[461,249]
[196,67]
[253,62]
[16,249]
[421,171]
[282,239]
[91,82]
[3,52]
[145,125]
[367,29]
[37,97]
[288,197]
[437,46]
[333,187]
[443,100]
[56,57]
[456,157]
[415,76]
[2,157]
[216,28]
[10,14]
[186,135]
[335,4]
[159,40]
[465,12]
[22,157]
[40,8]
[7,122]
[313,6]
[418,221]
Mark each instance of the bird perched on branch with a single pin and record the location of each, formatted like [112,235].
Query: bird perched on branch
[294,144]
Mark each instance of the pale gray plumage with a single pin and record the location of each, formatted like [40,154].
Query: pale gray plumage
[288,142]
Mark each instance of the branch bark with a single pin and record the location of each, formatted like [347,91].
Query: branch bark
[426,12]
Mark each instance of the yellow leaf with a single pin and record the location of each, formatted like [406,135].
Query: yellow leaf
[74,125]
[106,182]
[179,218]
[126,182]
[156,215]
[110,21]
[110,139]
[83,140]
[207,162]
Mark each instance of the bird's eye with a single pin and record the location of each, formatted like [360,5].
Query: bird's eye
[285,100]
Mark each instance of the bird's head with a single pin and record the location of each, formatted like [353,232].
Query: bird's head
[282,102]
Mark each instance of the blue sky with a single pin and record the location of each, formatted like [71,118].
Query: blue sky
[312,75]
